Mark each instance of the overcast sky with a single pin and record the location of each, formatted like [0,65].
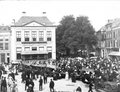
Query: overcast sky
[98,11]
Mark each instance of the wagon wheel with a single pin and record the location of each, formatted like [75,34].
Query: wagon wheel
[108,87]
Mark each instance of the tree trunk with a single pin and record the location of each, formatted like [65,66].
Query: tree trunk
[67,52]
[88,51]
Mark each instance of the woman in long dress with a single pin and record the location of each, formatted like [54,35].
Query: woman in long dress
[66,76]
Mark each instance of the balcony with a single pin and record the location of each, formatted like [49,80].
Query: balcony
[34,42]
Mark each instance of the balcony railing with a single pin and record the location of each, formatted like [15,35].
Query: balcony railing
[34,42]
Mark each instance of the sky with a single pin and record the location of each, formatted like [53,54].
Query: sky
[98,11]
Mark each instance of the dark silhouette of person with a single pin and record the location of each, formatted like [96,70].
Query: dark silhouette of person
[40,84]
[27,82]
[51,86]
[0,73]
[90,87]
[45,78]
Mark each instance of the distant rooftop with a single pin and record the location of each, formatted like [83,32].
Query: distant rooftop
[28,19]
[116,23]
[5,29]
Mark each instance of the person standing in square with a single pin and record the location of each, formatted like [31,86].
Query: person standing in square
[40,84]
[51,86]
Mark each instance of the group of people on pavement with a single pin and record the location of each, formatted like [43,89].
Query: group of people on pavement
[8,84]
[68,68]
[30,73]
[3,83]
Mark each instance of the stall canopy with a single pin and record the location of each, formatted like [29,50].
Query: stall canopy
[114,54]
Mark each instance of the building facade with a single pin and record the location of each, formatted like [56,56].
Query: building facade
[33,38]
[112,39]
[5,51]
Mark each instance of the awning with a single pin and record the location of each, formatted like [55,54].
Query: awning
[114,54]
[34,52]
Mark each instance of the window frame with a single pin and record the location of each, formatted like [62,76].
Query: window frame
[34,49]
[41,35]
[49,36]
[27,36]
[18,36]
[41,48]
[34,35]
[1,45]
[7,46]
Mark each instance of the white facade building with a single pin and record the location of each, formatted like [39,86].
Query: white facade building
[33,38]
[5,44]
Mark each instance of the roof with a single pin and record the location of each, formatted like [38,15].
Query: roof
[116,23]
[28,19]
[5,29]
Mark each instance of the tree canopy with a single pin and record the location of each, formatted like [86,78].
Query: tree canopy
[73,34]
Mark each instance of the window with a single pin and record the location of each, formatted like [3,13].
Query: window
[113,43]
[41,35]
[49,49]
[34,35]
[114,34]
[41,48]
[6,46]
[18,36]
[6,39]
[18,55]
[1,46]
[49,55]
[49,35]
[1,38]
[27,35]
[18,49]
[34,48]
[27,48]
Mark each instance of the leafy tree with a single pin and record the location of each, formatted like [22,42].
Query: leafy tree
[73,35]
[65,23]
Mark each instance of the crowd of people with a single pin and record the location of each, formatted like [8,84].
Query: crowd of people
[87,70]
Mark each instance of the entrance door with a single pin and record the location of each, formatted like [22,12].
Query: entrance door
[8,60]
[2,57]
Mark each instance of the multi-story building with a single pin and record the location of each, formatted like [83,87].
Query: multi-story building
[33,38]
[101,50]
[112,38]
[5,44]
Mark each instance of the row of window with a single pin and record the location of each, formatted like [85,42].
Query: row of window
[113,43]
[34,57]
[2,38]
[19,49]
[113,34]
[4,46]
[33,36]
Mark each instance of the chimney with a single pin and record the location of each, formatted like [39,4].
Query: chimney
[23,13]
[44,14]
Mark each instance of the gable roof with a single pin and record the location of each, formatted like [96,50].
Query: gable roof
[28,19]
